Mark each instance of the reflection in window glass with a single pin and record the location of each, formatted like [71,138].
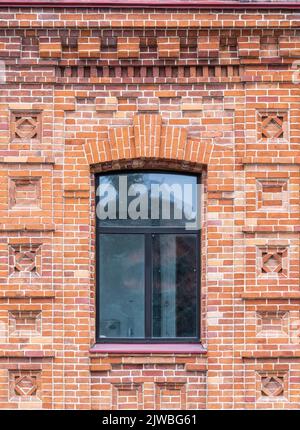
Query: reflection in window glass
[174,285]
[147,199]
[148,248]
[122,298]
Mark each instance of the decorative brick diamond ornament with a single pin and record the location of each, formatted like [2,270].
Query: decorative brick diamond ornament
[272,386]
[24,259]
[274,261]
[272,126]
[25,385]
[25,125]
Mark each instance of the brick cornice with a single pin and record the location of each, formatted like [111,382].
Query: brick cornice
[186,4]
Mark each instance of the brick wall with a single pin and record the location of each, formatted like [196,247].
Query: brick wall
[91,90]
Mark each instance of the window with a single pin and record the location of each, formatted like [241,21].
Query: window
[148,257]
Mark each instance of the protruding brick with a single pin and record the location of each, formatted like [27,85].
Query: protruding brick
[208,46]
[10,46]
[289,46]
[249,46]
[100,367]
[168,47]
[89,47]
[102,111]
[50,48]
[128,47]
[106,104]
[148,104]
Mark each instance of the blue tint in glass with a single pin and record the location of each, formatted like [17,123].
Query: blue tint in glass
[174,292]
[122,293]
[144,199]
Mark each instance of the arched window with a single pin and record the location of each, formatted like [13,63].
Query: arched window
[148,256]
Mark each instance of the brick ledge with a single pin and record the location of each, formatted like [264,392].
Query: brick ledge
[271,296]
[26,160]
[271,160]
[189,367]
[27,294]
[252,355]
[26,354]
[27,227]
[271,229]
[152,348]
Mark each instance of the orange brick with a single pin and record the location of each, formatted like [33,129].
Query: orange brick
[128,47]
[168,47]
[89,47]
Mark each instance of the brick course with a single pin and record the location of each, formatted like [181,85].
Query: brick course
[96,89]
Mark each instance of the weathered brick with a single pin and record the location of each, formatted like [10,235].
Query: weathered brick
[249,46]
[50,48]
[89,47]
[208,46]
[128,47]
[207,91]
[168,47]
[289,46]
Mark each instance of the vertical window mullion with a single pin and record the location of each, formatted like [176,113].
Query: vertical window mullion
[199,279]
[148,285]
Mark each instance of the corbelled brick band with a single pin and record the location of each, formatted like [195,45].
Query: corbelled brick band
[181,86]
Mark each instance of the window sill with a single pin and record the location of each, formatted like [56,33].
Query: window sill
[150,348]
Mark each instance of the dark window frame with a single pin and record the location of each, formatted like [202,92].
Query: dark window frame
[148,233]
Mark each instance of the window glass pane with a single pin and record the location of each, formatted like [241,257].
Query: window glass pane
[122,292]
[147,199]
[174,285]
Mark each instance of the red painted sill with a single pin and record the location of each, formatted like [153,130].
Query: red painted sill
[150,348]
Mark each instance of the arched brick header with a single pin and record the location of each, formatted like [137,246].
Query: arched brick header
[148,138]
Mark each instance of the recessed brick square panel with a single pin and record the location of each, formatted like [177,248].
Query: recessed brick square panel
[271,386]
[273,125]
[272,194]
[272,324]
[25,259]
[272,261]
[24,323]
[127,396]
[272,264]
[25,125]
[25,192]
[25,385]
[171,395]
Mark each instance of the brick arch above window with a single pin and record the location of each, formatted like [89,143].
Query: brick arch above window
[148,139]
